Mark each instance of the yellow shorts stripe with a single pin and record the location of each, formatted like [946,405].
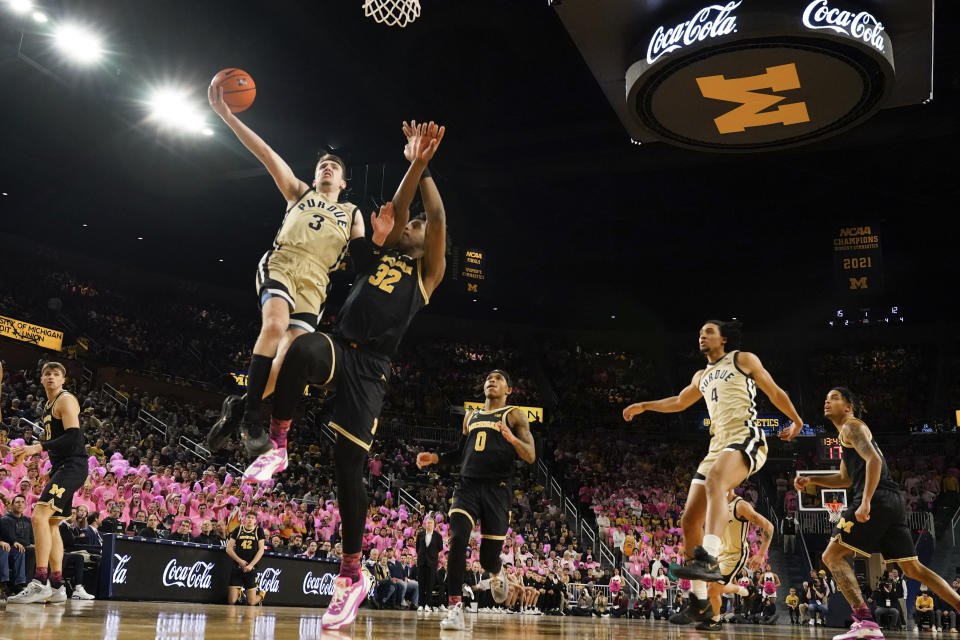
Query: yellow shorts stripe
[892,560]
[333,358]
[48,503]
[843,544]
[488,537]
[469,517]
[349,436]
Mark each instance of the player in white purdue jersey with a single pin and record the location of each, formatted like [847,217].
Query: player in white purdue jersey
[292,278]
[738,448]
[734,553]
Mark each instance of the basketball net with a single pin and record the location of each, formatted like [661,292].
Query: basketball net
[834,509]
[393,13]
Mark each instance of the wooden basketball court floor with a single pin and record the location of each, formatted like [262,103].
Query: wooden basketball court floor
[108,620]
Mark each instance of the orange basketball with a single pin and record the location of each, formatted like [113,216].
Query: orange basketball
[238,88]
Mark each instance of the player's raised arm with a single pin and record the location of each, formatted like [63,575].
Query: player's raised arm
[750,364]
[290,186]
[674,404]
[746,511]
[435,236]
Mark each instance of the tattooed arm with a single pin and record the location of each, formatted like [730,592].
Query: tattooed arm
[745,511]
[857,434]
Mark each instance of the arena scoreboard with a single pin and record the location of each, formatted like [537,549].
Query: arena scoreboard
[829,448]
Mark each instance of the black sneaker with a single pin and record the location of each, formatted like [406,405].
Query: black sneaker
[256,439]
[710,625]
[703,567]
[695,610]
[231,415]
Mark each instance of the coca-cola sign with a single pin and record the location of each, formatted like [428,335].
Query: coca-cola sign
[269,579]
[858,25]
[193,576]
[120,568]
[318,585]
[710,22]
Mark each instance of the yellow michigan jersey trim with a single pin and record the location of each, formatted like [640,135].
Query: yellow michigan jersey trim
[333,358]
[469,517]
[349,436]
[423,290]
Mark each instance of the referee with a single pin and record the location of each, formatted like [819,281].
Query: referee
[245,547]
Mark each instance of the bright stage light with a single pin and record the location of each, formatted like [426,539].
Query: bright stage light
[21,6]
[40,16]
[79,44]
[172,108]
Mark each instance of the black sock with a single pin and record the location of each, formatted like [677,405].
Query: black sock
[257,376]
[349,466]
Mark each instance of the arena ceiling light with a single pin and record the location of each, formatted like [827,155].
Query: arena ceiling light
[20,6]
[78,44]
[40,17]
[172,108]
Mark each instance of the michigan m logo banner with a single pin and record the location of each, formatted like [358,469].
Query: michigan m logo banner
[57,491]
[472,288]
[858,283]
[752,110]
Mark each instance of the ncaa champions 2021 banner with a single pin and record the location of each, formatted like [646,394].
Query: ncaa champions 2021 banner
[857,259]
[143,569]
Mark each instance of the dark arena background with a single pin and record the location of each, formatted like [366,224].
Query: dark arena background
[614,173]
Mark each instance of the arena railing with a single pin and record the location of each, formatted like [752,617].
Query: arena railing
[153,422]
[954,521]
[409,500]
[806,550]
[194,447]
[114,394]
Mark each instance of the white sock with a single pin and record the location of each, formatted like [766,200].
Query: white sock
[699,589]
[711,544]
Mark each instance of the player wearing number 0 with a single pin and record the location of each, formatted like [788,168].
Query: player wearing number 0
[875,520]
[292,278]
[738,448]
[734,551]
[396,274]
[492,439]
[63,441]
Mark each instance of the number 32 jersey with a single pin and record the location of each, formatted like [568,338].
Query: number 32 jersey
[386,294]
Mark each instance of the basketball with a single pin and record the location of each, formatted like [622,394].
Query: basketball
[239,89]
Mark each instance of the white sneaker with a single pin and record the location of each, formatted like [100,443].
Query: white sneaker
[35,591]
[812,623]
[454,620]
[81,594]
[499,587]
[420,609]
[265,466]
[58,595]
[443,607]
[428,609]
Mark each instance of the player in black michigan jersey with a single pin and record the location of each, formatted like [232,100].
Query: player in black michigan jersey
[63,442]
[396,273]
[492,439]
[245,548]
[875,520]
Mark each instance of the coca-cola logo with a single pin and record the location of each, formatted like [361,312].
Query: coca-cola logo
[269,580]
[318,585]
[120,571]
[861,26]
[193,576]
[712,21]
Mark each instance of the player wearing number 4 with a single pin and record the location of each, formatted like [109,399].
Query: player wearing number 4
[492,439]
[738,448]
[396,273]
[292,278]
[875,520]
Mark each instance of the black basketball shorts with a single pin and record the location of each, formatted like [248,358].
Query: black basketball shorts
[886,532]
[361,378]
[64,481]
[241,578]
[486,502]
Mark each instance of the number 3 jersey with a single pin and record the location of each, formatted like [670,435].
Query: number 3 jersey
[317,227]
[487,456]
[386,294]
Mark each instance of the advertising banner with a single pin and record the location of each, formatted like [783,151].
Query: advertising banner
[32,333]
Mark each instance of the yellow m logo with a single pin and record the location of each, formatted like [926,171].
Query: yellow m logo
[844,526]
[57,491]
[858,283]
[472,288]
[744,90]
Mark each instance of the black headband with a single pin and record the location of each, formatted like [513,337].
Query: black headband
[506,376]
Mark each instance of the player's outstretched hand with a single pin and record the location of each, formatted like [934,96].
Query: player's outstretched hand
[424,459]
[800,482]
[215,98]
[791,432]
[423,145]
[633,410]
[756,563]
[382,223]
